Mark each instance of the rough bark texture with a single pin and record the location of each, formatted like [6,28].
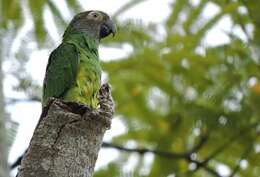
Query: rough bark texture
[66,141]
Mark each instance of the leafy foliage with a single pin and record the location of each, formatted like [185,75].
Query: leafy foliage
[173,91]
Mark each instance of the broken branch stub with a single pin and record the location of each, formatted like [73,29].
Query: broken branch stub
[68,138]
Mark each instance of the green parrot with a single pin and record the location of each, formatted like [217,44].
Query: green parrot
[73,72]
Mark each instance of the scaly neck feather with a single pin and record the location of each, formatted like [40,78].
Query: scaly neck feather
[82,40]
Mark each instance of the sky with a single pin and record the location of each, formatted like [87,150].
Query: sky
[27,113]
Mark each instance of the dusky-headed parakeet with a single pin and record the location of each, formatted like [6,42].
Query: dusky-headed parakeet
[73,72]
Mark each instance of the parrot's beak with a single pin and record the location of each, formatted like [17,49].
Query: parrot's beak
[107,28]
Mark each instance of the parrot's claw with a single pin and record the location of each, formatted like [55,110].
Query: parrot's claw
[105,98]
[106,103]
[105,90]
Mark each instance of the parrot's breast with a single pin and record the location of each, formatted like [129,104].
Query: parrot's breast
[88,81]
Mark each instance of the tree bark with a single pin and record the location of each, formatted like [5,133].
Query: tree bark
[67,139]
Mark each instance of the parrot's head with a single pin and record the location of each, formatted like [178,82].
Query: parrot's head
[94,23]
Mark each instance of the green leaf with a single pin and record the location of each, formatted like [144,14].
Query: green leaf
[11,12]
[57,14]
[74,4]
[37,8]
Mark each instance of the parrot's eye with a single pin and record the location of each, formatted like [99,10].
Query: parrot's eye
[95,16]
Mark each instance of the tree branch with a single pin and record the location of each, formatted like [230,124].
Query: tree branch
[184,155]
[230,141]
[145,150]
[222,147]
[160,152]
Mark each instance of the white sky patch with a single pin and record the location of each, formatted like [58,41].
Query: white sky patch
[252,81]
[107,6]
[244,164]
[112,53]
[160,32]
[172,175]
[37,64]
[242,10]
[250,29]
[194,2]
[9,92]
[50,26]
[196,131]
[117,125]
[27,116]
[257,148]
[217,35]
[223,169]
[222,120]
[200,50]
[190,94]
[148,11]
[148,159]
[158,100]
[63,8]
[7,66]
[210,10]
[131,163]
[239,33]
[105,156]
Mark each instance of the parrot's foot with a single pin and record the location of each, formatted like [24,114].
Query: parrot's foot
[105,98]
[106,109]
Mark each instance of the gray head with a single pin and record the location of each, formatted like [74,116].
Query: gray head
[94,23]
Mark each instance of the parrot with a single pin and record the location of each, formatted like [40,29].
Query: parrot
[73,72]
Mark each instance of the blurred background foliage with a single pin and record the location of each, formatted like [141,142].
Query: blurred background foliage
[190,109]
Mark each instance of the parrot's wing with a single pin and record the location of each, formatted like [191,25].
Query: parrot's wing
[61,71]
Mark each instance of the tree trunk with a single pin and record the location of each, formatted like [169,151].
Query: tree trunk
[4,172]
[67,139]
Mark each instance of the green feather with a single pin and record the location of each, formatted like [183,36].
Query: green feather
[73,72]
